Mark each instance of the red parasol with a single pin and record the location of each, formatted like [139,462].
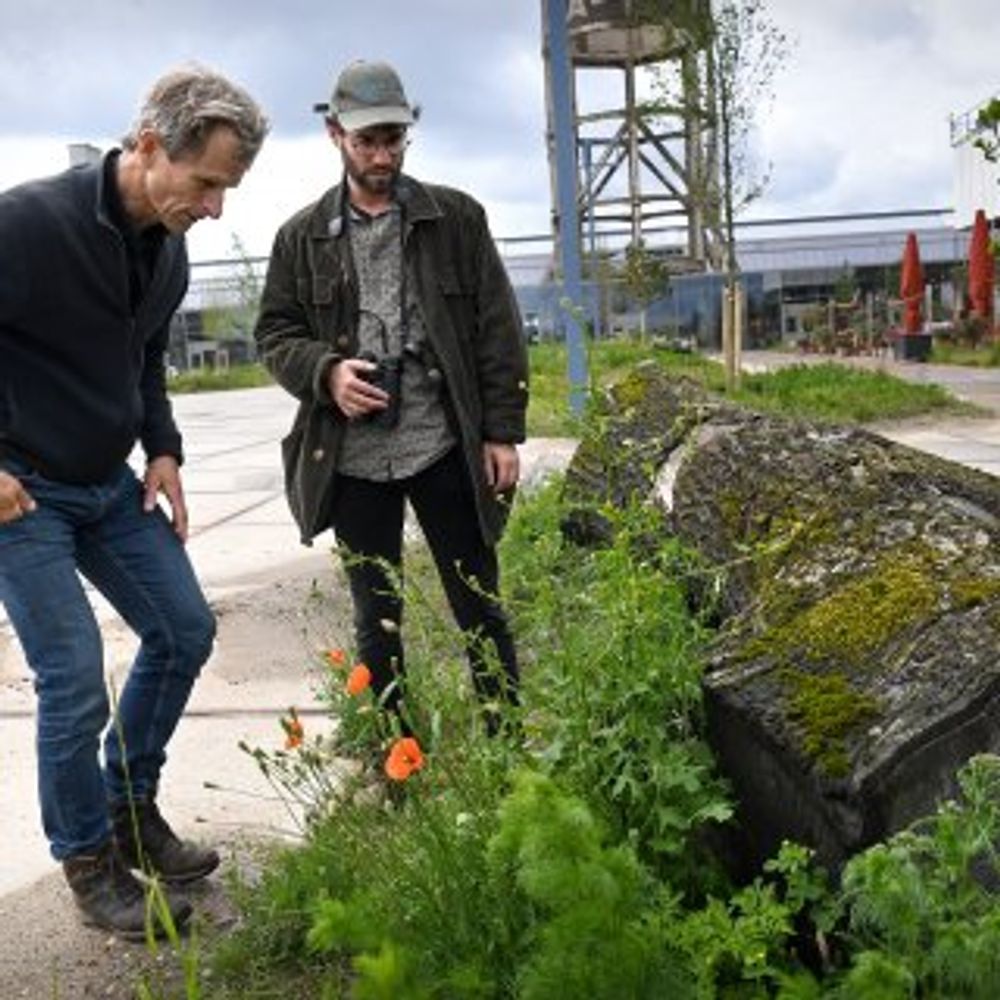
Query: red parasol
[911,286]
[981,269]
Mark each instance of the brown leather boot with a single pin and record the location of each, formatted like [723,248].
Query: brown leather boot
[146,841]
[110,897]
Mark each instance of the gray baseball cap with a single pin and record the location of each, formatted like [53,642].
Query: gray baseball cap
[367,94]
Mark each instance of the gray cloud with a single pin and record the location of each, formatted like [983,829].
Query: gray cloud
[71,68]
[860,118]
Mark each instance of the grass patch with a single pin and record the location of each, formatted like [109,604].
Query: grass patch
[216,379]
[608,360]
[826,392]
[821,392]
[840,394]
[986,356]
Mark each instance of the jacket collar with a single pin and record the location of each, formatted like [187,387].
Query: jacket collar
[419,201]
[102,170]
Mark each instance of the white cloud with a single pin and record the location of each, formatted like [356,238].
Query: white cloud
[866,96]
[23,157]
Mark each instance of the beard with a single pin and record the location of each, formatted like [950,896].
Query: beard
[373,180]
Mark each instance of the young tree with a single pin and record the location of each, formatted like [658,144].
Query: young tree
[988,121]
[248,285]
[231,303]
[646,277]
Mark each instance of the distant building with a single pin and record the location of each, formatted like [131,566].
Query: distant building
[82,153]
[976,179]
[214,326]
[786,280]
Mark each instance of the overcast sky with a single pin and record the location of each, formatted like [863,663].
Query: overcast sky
[859,121]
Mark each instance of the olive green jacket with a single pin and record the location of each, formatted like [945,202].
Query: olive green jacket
[308,321]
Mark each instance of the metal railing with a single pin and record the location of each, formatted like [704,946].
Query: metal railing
[964,126]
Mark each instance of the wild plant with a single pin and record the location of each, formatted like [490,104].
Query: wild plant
[556,859]
[594,920]
[391,890]
[921,908]
[613,687]
[749,938]
[185,949]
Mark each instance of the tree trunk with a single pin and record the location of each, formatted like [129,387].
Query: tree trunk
[729,299]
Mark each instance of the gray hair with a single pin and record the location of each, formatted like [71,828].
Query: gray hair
[185,105]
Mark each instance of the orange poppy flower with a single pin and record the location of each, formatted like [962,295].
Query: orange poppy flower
[358,679]
[404,758]
[294,732]
[336,657]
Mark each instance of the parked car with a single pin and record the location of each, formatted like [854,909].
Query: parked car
[532,329]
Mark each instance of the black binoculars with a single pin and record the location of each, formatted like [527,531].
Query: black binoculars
[387,376]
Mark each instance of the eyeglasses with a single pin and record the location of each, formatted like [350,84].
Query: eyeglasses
[366,144]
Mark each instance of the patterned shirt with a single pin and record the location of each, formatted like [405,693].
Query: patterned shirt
[371,450]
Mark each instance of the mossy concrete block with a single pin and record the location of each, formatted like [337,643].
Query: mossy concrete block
[638,423]
[858,661]
[859,666]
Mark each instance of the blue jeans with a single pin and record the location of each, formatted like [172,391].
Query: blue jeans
[137,562]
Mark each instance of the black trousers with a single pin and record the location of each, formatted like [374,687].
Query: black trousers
[367,518]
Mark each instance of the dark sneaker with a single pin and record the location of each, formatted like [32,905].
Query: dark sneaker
[157,849]
[110,897]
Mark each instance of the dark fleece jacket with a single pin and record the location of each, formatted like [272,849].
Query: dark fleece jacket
[81,369]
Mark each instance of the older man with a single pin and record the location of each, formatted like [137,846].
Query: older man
[92,267]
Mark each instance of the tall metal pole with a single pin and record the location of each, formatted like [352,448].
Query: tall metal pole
[587,148]
[559,78]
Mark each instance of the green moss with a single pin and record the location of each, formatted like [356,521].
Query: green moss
[857,619]
[730,507]
[826,709]
[773,525]
[788,534]
[865,614]
[968,592]
[632,390]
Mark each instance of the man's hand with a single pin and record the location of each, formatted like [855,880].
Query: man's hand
[163,476]
[355,397]
[15,500]
[502,465]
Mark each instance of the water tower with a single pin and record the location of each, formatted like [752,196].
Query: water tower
[637,174]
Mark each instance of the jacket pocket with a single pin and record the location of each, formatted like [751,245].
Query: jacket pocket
[315,291]
[459,302]
[323,300]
